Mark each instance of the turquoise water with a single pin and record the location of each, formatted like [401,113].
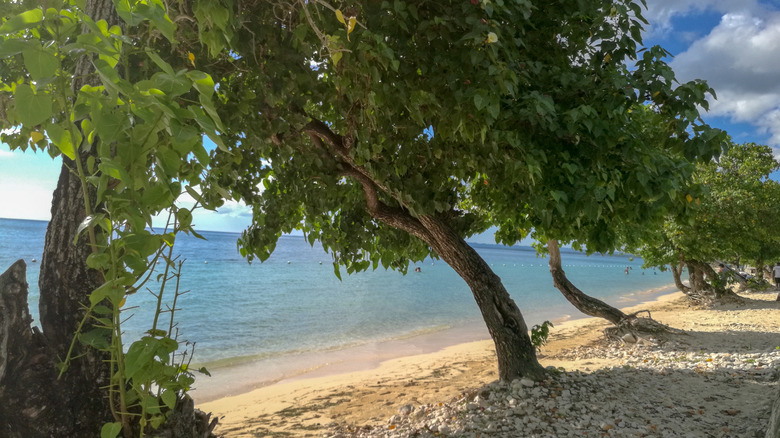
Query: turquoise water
[293,303]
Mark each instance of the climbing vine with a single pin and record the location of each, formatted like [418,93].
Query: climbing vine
[131,126]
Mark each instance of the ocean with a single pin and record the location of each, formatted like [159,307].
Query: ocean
[291,310]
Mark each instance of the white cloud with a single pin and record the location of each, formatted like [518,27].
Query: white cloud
[235,209]
[26,200]
[660,12]
[740,59]
[6,154]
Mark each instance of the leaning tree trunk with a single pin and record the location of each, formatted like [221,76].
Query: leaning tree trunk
[584,303]
[677,275]
[738,278]
[626,327]
[516,354]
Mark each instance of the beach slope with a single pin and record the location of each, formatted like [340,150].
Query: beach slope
[719,378]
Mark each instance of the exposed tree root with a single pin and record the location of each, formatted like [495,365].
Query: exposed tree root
[635,329]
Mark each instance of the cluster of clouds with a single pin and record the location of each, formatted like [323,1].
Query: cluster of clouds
[739,57]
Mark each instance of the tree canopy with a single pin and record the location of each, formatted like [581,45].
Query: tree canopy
[736,216]
[388,130]
[535,115]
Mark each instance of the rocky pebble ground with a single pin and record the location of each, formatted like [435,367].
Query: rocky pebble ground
[655,391]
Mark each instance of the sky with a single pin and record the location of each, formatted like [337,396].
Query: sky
[732,44]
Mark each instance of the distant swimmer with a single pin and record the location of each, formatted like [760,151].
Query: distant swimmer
[417,269]
[626,270]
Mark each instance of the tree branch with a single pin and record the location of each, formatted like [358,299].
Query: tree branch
[324,138]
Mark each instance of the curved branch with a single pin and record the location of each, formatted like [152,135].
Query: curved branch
[583,302]
[324,138]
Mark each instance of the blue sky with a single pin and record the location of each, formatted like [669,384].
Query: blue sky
[733,44]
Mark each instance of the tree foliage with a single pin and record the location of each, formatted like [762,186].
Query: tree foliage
[735,217]
[533,114]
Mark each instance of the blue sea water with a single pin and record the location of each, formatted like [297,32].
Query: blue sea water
[293,303]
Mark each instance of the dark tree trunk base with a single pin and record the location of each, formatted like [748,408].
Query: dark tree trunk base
[34,402]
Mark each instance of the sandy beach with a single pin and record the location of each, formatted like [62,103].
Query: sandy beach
[367,394]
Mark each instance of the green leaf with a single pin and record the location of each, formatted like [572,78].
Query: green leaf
[86,223]
[113,290]
[202,81]
[13,47]
[31,107]
[494,108]
[110,430]
[109,123]
[479,101]
[40,63]
[98,338]
[62,139]
[154,11]
[169,398]
[114,170]
[172,84]
[25,20]
[336,57]
[164,66]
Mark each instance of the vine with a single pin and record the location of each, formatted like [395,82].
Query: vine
[135,134]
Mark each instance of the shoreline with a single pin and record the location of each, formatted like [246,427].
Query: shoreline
[359,402]
[236,376]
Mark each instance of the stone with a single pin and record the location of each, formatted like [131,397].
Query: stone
[406,409]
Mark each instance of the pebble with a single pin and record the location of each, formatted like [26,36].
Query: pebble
[655,391]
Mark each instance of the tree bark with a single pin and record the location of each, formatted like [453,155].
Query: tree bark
[29,393]
[516,354]
[677,275]
[584,303]
[701,289]
[773,428]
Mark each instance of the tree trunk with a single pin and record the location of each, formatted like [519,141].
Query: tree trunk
[584,303]
[516,354]
[696,280]
[773,428]
[677,275]
[760,272]
[30,405]
[34,402]
[701,290]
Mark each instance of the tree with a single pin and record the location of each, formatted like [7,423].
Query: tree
[128,126]
[387,131]
[649,180]
[735,218]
